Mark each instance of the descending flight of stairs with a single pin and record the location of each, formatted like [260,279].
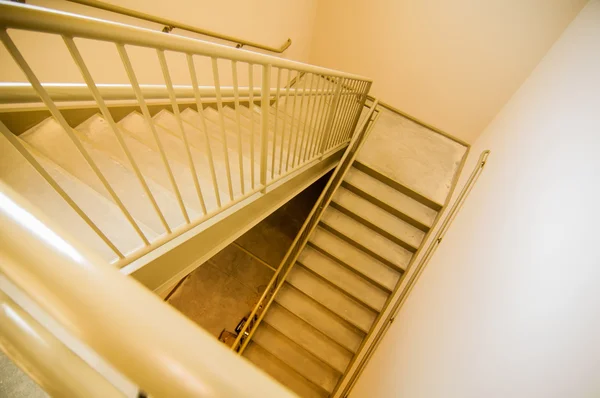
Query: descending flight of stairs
[329,302]
[49,144]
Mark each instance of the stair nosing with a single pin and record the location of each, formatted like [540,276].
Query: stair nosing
[379,230]
[343,263]
[392,210]
[312,327]
[341,290]
[286,365]
[339,315]
[346,322]
[361,247]
[398,186]
[310,354]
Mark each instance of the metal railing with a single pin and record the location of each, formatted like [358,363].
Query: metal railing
[60,304]
[169,25]
[399,296]
[312,114]
[260,309]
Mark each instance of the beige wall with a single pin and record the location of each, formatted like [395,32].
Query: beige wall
[453,64]
[510,305]
[268,22]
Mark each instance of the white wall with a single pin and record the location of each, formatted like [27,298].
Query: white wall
[510,304]
[268,22]
[452,64]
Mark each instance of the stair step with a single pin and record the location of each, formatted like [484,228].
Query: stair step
[365,168]
[365,238]
[17,173]
[355,259]
[51,140]
[98,131]
[340,276]
[391,199]
[319,317]
[168,121]
[332,298]
[135,125]
[282,372]
[378,219]
[315,370]
[308,337]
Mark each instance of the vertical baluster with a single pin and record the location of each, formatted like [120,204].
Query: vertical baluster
[292,122]
[333,108]
[149,122]
[285,117]
[41,92]
[89,81]
[306,129]
[356,111]
[349,114]
[215,69]
[251,107]
[313,110]
[236,96]
[167,76]
[343,113]
[41,171]
[299,121]
[275,124]
[264,136]
[200,107]
[327,99]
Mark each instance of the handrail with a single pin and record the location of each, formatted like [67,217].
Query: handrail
[169,25]
[45,358]
[27,17]
[128,326]
[250,326]
[355,370]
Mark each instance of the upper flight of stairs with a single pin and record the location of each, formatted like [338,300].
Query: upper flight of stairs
[49,144]
[353,261]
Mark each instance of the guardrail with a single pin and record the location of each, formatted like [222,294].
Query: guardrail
[128,327]
[329,105]
[260,309]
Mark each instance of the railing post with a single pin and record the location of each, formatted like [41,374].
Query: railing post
[264,131]
[330,117]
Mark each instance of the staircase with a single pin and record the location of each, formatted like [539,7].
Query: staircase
[51,147]
[353,260]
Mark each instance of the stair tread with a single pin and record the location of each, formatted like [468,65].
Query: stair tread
[327,295]
[51,140]
[391,196]
[282,373]
[308,337]
[296,357]
[174,147]
[342,277]
[216,140]
[366,237]
[319,317]
[379,217]
[16,172]
[101,135]
[357,259]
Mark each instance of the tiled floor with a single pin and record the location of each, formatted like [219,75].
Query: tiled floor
[220,292]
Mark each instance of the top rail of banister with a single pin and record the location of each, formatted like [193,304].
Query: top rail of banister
[27,17]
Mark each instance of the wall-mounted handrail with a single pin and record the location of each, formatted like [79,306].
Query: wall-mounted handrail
[356,367]
[128,326]
[26,17]
[169,25]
